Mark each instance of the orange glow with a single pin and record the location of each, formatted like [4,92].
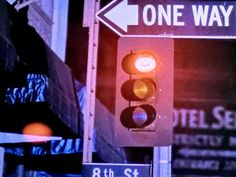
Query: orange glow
[38,129]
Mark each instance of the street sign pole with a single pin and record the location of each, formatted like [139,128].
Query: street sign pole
[91,79]
[1,161]
[162,161]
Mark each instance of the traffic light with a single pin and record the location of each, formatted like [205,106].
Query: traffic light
[144,92]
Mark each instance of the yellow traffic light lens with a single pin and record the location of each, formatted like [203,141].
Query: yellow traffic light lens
[145,63]
[140,62]
[138,116]
[138,89]
[144,88]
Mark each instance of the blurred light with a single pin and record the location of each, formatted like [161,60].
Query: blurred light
[37,128]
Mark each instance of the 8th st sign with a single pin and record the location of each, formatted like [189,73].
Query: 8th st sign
[115,170]
[184,19]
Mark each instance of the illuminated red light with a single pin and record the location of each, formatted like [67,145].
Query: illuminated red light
[145,63]
[140,62]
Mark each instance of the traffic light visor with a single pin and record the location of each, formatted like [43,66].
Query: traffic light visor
[140,62]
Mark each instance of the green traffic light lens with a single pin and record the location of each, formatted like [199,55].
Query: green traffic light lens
[151,113]
[138,116]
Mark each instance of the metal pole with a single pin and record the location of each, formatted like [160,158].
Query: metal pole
[1,161]
[162,161]
[20,170]
[91,81]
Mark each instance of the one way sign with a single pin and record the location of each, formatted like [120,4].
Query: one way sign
[171,18]
[122,14]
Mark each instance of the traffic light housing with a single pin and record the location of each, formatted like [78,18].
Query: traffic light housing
[144,92]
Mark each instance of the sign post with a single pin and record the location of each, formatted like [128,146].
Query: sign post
[1,161]
[91,83]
